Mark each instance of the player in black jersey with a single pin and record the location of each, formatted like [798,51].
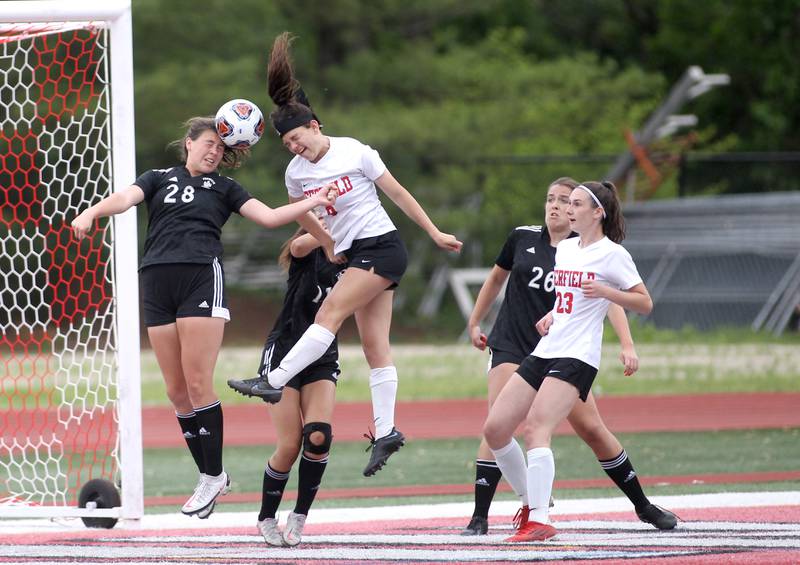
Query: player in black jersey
[302,418]
[526,261]
[183,283]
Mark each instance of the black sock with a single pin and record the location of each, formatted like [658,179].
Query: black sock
[209,420]
[272,492]
[309,479]
[189,427]
[621,472]
[487,475]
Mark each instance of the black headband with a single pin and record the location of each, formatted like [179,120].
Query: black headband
[300,116]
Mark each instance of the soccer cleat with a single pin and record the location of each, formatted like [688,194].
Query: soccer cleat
[203,514]
[206,512]
[244,386]
[382,448]
[658,517]
[478,526]
[533,531]
[521,517]
[293,532]
[206,493]
[269,529]
[266,391]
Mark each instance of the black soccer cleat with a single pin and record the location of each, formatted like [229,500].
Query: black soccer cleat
[244,386]
[658,517]
[258,387]
[382,448]
[478,526]
[266,391]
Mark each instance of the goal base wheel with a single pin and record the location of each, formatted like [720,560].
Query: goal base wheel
[99,493]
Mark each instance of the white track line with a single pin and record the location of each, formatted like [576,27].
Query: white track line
[221,519]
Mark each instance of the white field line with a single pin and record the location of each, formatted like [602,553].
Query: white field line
[461,510]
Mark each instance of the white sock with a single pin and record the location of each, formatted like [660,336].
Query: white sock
[383,386]
[511,462]
[541,472]
[311,346]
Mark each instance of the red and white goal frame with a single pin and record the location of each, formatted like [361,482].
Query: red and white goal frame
[70,418]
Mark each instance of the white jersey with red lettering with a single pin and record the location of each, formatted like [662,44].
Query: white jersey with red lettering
[577,329]
[353,167]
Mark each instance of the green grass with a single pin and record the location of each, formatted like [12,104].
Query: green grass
[672,362]
[429,372]
[172,472]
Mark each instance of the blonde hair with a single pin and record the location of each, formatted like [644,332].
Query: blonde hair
[285,255]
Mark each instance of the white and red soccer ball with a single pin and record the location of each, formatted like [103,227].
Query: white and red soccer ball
[240,123]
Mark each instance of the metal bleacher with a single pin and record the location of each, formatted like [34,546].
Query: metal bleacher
[719,261]
[250,255]
[708,262]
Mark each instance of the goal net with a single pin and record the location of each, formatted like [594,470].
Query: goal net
[69,395]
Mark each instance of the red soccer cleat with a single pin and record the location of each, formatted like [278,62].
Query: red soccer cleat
[521,518]
[533,531]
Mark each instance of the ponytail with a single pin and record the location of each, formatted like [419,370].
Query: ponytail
[281,83]
[613,224]
[293,108]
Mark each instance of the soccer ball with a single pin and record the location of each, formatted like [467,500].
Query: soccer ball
[240,123]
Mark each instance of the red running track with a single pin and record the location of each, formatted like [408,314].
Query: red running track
[249,424]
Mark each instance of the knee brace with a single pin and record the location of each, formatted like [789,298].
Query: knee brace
[325,430]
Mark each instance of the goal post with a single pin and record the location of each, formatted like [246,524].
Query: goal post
[70,404]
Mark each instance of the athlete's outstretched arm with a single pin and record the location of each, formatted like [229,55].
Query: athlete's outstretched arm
[260,213]
[114,204]
[409,205]
[488,294]
[619,321]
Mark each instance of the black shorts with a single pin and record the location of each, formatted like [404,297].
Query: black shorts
[326,369]
[498,357]
[577,373]
[385,255]
[183,290]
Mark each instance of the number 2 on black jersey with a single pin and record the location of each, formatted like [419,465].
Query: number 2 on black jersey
[549,280]
[186,196]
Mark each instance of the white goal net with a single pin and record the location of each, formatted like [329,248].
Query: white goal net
[69,396]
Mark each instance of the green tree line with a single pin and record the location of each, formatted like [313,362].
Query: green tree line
[450,91]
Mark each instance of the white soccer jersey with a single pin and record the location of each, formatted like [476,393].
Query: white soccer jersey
[577,329]
[353,167]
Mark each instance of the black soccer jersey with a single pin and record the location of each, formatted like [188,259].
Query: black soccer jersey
[186,214]
[530,258]
[310,280]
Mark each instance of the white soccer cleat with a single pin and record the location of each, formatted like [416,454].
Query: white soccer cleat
[269,529]
[293,532]
[200,482]
[206,512]
[205,494]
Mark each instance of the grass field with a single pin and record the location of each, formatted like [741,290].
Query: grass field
[674,366]
[170,471]
[459,371]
